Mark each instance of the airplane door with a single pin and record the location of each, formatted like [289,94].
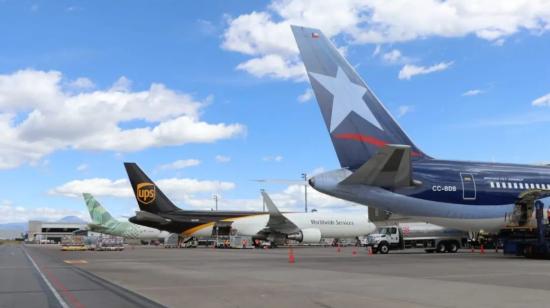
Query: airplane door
[468,186]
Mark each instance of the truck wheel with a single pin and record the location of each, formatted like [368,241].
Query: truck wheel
[440,247]
[452,247]
[383,248]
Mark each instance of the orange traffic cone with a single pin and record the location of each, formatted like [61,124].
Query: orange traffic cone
[369,249]
[291,255]
[481,250]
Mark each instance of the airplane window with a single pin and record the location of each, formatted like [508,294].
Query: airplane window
[498,185]
[509,185]
[503,185]
[492,185]
[532,186]
[515,185]
[538,186]
[521,185]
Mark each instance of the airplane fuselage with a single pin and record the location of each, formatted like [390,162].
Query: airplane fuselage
[129,230]
[464,195]
[252,224]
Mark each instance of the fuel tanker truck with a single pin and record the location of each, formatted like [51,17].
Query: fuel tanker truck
[406,235]
[395,232]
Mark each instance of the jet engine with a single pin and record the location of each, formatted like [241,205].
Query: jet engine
[310,235]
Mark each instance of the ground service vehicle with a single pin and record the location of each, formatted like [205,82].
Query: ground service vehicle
[416,235]
[532,241]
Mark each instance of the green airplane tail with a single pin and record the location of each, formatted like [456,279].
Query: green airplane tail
[99,214]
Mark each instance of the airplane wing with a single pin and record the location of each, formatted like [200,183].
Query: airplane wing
[389,167]
[277,221]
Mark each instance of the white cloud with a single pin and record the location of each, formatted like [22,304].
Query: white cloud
[11,213]
[274,66]
[473,92]
[273,158]
[81,83]
[38,117]
[392,56]
[266,34]
[542,101]
[180,164]
[95,186]
[377,50]
[222,159]
[178,188]
[122,84]
[410,70]
[206,27]
[306,96]
[82,167]
[198,194]
[403,110]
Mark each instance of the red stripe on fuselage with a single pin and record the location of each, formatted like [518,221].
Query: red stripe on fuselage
[368,139]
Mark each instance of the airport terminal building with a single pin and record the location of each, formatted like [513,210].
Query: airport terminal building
[52,231]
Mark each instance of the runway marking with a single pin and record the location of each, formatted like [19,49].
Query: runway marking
[75,261]
[68,294]
[54,291]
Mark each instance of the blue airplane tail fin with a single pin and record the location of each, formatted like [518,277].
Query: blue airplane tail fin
[357,121]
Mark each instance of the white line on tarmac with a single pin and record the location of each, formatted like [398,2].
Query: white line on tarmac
[57,296]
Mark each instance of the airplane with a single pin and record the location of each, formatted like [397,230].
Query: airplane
[157,211]
[103,222]
[381,167]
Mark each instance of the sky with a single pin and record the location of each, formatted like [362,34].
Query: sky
[207,98]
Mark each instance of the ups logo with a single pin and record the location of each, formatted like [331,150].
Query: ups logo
[146,192]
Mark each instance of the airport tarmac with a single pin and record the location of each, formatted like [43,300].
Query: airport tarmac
[320,277]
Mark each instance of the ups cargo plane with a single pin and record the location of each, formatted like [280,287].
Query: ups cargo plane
[381,167]
[157,211]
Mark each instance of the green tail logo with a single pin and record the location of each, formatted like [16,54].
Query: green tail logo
[99,215]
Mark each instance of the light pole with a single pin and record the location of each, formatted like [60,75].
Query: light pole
[215,197]
[304,176]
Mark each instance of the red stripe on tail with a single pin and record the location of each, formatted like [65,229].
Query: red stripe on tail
[368,139]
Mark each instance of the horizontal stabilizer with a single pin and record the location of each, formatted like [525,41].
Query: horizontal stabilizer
[390,167]
[277,221]
[142,216]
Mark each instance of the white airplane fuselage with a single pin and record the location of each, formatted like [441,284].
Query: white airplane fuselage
[330,225]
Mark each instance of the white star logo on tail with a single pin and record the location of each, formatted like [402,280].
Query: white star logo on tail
[348,97]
